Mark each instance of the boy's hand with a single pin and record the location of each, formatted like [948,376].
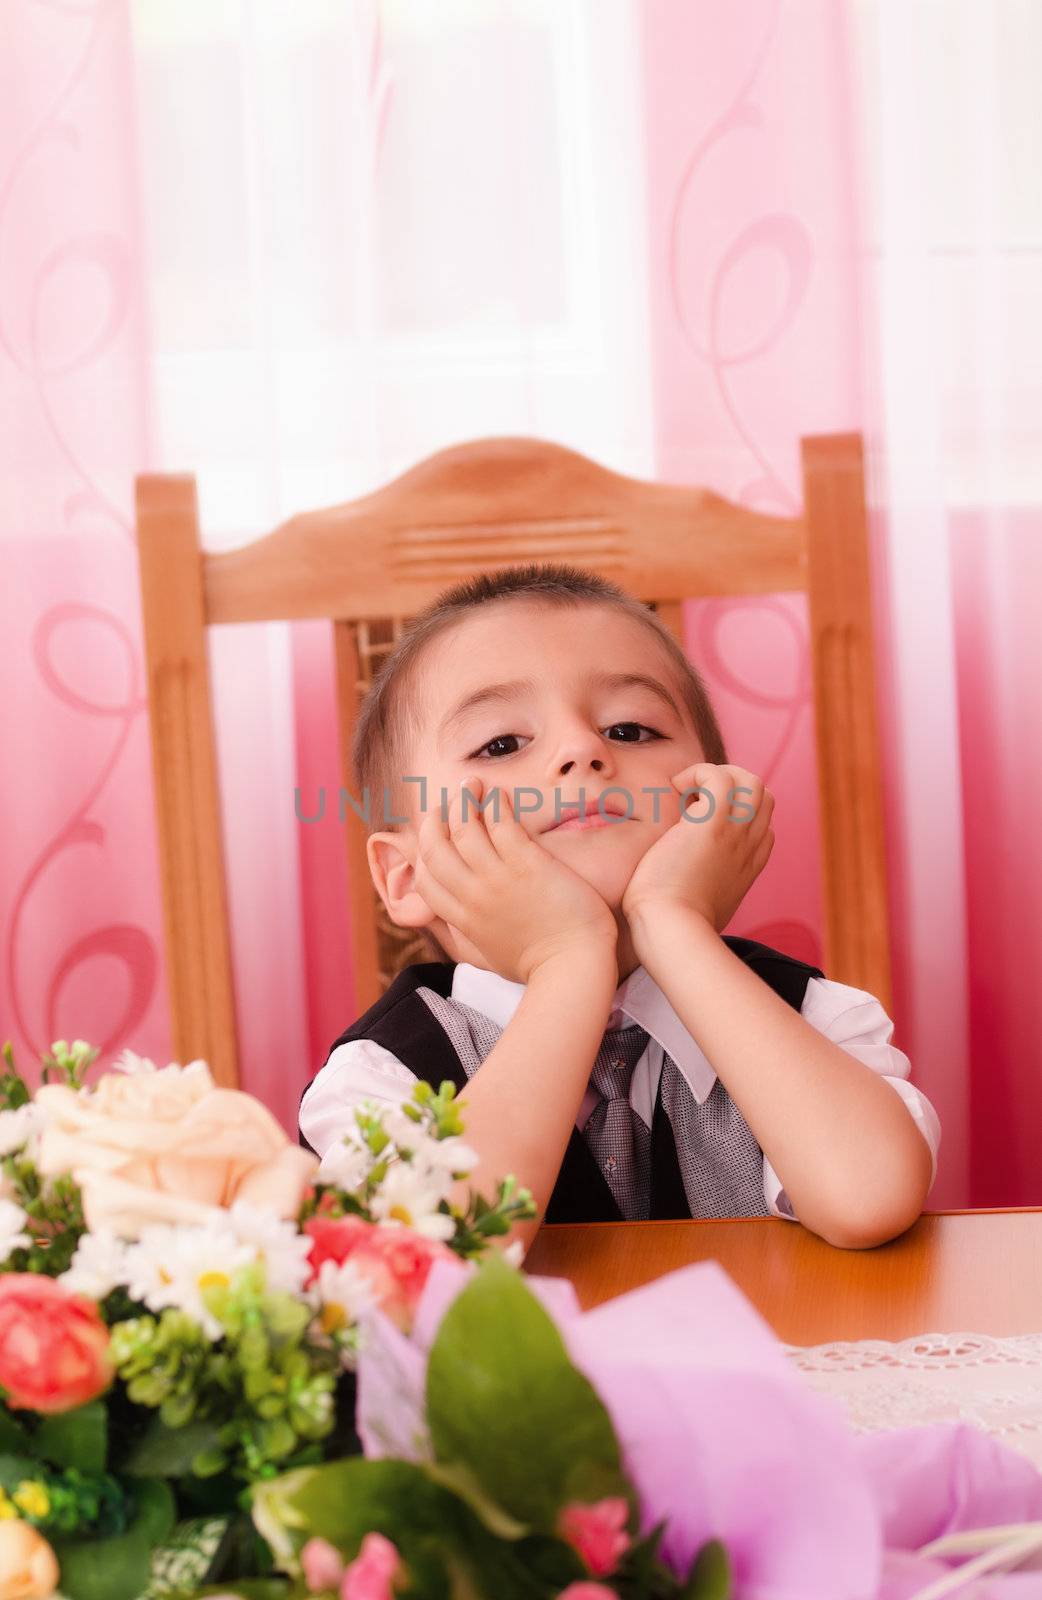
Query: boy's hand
[707,865]
[512,902]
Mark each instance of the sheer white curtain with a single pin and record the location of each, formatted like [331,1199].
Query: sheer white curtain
[371,231]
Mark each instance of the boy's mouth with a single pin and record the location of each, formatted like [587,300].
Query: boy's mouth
[592,815]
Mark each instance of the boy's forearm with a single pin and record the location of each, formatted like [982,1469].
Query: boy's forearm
[851,1159]
[520,1106]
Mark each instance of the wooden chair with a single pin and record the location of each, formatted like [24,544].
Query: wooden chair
[369,565]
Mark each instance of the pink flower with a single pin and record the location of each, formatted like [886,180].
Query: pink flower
[394,1259]
[322,1563]
[587,1591]
[598,1533]
[373,1571]
[54,1347]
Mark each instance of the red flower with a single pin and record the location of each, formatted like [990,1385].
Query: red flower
[335,1238]
[53,1345]
[598,1532]
[394,1259]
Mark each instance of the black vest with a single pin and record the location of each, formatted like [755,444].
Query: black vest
[402,1022]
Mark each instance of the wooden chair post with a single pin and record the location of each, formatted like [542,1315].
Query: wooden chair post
[850,781]
[362,898]
[195,910]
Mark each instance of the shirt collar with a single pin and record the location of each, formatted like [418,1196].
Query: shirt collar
[638,998]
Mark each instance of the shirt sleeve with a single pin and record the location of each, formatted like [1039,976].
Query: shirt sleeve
[854,1019]
[359,1070]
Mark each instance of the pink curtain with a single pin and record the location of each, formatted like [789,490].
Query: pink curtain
[678,236]
[79,890]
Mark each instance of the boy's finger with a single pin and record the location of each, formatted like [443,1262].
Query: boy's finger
[762,803]
[687,777]
[705,781]
[438,851]
[431,889]
[746,796]
[468,825]
[505,832]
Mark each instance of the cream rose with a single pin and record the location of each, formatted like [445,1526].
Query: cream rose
[28,1569]
[168,1146]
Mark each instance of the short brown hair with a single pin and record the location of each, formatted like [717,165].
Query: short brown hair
[388,722]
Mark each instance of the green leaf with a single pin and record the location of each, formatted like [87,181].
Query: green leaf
[504,1399]
[342,1501]
[448,1551]
[76,1438]
[119,1568]
[14,1469]
[156,1509]
[459,1478]
[163,1452]
[710,1575]
[13,1439]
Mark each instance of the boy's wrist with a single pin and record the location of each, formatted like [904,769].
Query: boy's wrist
[590,961]
[657,924]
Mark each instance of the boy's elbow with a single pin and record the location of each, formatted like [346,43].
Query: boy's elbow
[875,1214]
[871,1222]
[866,1232]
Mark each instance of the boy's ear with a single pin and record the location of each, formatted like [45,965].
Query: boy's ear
[391,869]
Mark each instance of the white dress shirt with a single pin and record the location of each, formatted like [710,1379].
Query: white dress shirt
[361,1069]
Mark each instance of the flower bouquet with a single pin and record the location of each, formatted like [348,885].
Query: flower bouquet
[201,1330]
[182,1294]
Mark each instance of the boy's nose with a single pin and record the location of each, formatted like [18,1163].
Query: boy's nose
[596,764]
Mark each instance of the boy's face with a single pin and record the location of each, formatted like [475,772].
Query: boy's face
[567,728]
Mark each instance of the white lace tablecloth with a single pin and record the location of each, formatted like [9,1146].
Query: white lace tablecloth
[935,1377]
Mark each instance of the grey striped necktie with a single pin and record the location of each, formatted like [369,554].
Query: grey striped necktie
[616,1135]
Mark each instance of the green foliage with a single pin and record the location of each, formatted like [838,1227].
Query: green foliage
[55,1217]
[446,1548]
[437,1117]
[502,1395]
[711,1577]
[62,1501]
[162,1452]
[69,1062]
[248,1403]
[485,1220]
[77,1438]
[518,1434]
[120,1567]
[53,1471]
[13,1437]
[14,1091]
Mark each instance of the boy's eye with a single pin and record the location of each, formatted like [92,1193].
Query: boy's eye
[505,738]
[653,732]
[501,738]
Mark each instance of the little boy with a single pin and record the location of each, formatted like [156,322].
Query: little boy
[620,1055]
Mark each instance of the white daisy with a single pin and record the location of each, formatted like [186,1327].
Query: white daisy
[411,1195]
[278,1244]
[12,1229]
[345,1165]
[20,1128]
[448,1155]
[172,1266]
[343,1293]
[98,1266]
[405,1133]
[140,1066]
[132,1064]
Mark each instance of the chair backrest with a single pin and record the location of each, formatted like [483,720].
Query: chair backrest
[374,562]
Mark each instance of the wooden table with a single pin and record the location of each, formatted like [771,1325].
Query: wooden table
[953,1272]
